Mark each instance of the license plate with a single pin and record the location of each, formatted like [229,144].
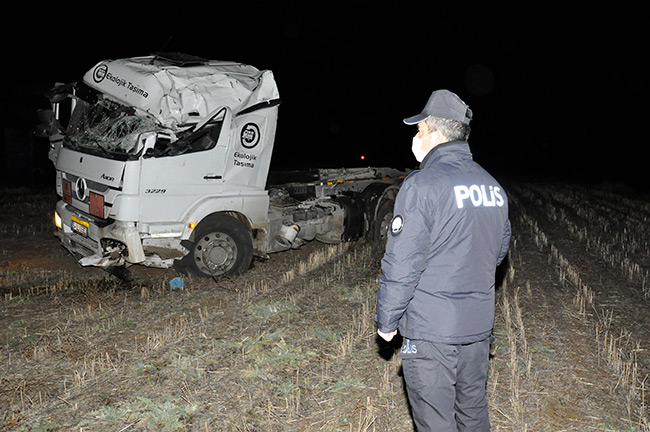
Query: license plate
[79,226]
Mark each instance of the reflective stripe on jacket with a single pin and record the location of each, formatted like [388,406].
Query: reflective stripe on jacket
[449,233]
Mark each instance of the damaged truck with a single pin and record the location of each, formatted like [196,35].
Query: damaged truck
[163,160]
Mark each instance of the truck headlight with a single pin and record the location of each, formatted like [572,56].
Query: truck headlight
[57,221]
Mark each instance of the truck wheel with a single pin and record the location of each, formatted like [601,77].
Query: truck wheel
[382,223]
[222,246]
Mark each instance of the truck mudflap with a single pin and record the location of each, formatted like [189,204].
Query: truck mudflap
[112,245]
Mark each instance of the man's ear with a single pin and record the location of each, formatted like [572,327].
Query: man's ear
[438,137]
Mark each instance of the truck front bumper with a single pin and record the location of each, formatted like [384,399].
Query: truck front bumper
[112,245]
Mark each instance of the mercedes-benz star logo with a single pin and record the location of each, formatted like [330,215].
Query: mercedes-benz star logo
[81,189]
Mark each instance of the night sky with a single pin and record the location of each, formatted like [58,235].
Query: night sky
[556,94]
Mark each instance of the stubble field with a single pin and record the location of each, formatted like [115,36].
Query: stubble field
[291,345]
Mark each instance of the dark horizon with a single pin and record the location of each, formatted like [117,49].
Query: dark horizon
[552,94]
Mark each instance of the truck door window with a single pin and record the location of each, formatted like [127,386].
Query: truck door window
[207,139]
[204,139]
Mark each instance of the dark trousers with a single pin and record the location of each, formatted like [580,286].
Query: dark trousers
[446,385]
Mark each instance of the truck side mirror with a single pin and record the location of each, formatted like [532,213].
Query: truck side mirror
[46,125]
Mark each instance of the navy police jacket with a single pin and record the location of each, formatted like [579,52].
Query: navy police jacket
[449,232]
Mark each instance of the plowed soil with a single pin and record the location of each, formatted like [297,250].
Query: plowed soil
[291,345]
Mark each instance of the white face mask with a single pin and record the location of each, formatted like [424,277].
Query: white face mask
[416,148]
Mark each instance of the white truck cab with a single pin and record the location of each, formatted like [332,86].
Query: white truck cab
[164,160]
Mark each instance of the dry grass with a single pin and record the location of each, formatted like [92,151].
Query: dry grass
[617,352]
[291,345]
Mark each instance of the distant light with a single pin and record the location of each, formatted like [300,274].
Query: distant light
[363,157]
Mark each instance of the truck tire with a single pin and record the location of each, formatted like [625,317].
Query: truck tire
[222,246]
[381,223]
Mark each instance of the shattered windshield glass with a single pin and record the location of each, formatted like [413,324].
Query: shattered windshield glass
[106,127]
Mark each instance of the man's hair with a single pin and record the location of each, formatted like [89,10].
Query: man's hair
[452,129]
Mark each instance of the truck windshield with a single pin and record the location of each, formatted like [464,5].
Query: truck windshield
[107,128]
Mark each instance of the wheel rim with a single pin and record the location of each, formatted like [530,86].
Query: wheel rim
[215,253]
[384,226]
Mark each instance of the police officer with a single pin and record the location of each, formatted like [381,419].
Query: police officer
[449,233]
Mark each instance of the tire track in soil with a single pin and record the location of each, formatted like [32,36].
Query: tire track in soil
[246,387]
[240,391]
[154,312]
[612,291]
[570,386]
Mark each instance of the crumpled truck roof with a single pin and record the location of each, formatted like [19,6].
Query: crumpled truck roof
[178,95]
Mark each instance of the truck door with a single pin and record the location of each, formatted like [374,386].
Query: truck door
[248,160]
[188,171]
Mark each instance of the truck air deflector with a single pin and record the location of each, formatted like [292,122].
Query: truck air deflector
[176,95]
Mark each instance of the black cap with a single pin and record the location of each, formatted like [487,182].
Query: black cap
[444,104]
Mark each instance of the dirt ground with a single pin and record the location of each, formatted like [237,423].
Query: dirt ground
[291,344]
